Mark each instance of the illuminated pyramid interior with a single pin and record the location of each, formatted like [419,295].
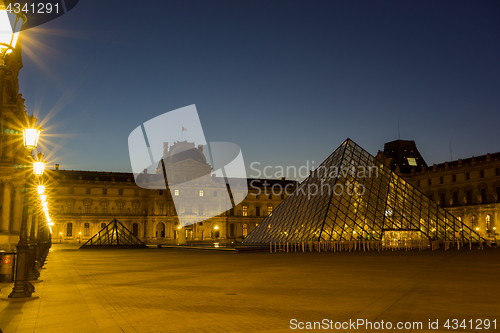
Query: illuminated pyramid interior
[352,195]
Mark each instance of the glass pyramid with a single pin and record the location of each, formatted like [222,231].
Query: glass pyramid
[353,196]
[114,234]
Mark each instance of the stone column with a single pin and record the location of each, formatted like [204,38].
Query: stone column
[7,197]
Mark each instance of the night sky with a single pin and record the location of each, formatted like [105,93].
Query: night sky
[288,81]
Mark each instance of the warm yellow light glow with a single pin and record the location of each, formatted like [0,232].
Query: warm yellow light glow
[216,227]
[477,229]
[50,228]
[179,227]
[10,25]
[60,233]
[45,204]
[50,224]
[46,210]
[41,189]
[43,197]
[30,137]
[38,168]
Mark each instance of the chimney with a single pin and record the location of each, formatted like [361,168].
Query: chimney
[57,167]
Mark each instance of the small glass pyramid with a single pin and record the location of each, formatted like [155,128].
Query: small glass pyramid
[353,196]
[114,234]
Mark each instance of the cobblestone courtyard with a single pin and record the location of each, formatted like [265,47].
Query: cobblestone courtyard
[172,290]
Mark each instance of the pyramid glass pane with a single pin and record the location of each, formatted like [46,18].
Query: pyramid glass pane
[352,195]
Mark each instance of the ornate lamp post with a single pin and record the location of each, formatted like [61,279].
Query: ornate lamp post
[22,287]
[10,26]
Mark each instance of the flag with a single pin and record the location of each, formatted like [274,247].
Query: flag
[184,129]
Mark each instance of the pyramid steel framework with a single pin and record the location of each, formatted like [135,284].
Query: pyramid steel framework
[115,235]
[353,196]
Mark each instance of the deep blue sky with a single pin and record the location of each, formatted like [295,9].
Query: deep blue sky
[288,81]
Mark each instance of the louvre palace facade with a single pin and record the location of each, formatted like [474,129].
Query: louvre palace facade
[468,188]
[86,201]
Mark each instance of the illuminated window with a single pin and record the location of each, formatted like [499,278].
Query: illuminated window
[201,193]
[412,161]
[245,229]
[245,210]
[86,229]
[269,210]
[176,193]
[135,209]
[69,229]
[488,223]
[104,208]
[120,208]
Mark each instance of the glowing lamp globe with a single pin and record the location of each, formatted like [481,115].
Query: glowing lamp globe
[30,137]
[10,26]
[41,189]
[38,168]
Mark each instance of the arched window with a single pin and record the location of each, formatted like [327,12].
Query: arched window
[135,229]
[473,221]
[488,224]
[160,230]
[103,225]
[69,230]
[245,229]
[86,229]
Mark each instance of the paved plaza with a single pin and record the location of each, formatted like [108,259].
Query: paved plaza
[175,290]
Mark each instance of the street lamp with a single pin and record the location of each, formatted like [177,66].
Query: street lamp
[10,25]
[22,287]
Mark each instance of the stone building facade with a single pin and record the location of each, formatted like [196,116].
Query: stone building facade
[14,163]
[468,188]
[85,201]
